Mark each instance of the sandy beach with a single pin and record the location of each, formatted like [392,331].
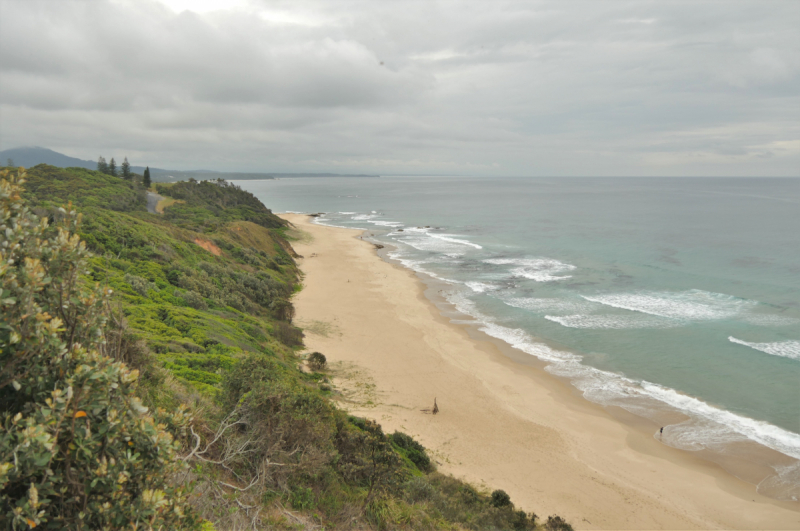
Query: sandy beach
[503,423]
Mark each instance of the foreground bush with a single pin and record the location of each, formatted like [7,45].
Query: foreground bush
[78,450]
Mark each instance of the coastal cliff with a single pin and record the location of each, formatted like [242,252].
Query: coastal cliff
[195,305]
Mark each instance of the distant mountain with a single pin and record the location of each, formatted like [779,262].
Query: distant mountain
[31,156]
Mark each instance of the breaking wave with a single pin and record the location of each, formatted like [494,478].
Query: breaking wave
[785,349]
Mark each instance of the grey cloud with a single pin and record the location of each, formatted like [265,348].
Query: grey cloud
[230,60]
[529,87]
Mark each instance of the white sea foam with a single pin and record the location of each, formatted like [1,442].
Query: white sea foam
[762,432]
[326,222]
[362,217]
[708,427]
[698,434]
[784,485]
[515,337]
[416,265]
[424,243]
[423,239]
[766,319]
[451,239]
[480,287]
[536,304]
[382,223]
[538,269]
[611,321]
[685,305]
[784,349]
[347,213]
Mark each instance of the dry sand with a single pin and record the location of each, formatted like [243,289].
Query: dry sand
[502,424]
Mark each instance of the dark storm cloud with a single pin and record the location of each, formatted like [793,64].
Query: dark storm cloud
[640,88]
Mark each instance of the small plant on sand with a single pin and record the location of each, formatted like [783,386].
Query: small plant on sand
[317,361]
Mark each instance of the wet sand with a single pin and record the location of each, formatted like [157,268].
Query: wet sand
[503,422]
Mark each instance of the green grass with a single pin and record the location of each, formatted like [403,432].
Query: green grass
[48,185]
[188,305]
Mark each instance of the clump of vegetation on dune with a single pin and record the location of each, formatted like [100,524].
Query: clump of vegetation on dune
[150,376]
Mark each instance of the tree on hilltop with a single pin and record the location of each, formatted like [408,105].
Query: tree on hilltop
[126,169]
[102,165]
[146,178]
[112,167]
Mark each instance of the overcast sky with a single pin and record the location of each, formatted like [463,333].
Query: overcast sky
[396,87]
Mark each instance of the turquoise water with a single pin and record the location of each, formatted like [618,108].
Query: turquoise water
[655,295]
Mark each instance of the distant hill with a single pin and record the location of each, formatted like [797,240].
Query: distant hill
[31,156]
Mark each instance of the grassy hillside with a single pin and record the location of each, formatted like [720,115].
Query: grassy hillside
[207,205]
[202,308]
[51,186]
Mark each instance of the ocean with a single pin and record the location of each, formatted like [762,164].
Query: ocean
[675,299]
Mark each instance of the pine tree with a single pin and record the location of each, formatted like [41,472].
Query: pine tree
[102,165]
[146,178]
[112,167]
[10,163]
[126,170]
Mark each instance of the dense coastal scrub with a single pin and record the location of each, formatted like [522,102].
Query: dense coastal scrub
[151,376]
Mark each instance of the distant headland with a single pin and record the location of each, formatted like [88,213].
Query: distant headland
[31,156]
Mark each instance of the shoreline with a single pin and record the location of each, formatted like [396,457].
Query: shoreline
[504,420]
[750,462]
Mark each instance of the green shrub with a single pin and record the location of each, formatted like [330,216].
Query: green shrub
[78,449]
[289,335]
[140,285]
[418,489]
[207,205]
[367,458]
[413,450]
[556,523]
[194,300]
[317,361]
[57,186]
[462,504]
[500,498]
[302,498]
[521,520]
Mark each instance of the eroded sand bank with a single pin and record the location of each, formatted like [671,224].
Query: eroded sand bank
[501,424]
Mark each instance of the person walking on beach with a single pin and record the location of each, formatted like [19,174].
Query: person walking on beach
[661,431]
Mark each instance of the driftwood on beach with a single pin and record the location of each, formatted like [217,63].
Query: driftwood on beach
[434,410]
